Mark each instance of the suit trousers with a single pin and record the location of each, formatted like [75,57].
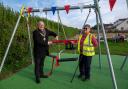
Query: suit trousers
[39,65]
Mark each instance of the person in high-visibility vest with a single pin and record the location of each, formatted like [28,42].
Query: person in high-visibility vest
[86,44]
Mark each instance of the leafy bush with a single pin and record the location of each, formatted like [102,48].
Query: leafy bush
[19,54]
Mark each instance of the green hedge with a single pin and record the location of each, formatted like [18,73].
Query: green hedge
[19,54]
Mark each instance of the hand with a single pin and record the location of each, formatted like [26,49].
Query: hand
[57,38]
[50,42]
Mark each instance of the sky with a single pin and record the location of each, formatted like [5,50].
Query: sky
[75,18]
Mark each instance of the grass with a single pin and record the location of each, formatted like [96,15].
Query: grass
[100,79]
[115,49]
[120,48]
[9,71]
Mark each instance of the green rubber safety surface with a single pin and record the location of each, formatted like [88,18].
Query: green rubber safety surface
[60,79]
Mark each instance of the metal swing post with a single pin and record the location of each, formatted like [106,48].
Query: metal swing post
[87,16]
[10,42]
[61,24]
[125,59]
[106,45]
[30,42]
[58,28]
[98,35]
[46,18]
[75,71]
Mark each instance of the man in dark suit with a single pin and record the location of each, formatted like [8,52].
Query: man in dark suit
[41,48]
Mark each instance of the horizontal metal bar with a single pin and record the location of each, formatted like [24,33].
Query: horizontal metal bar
[62,8]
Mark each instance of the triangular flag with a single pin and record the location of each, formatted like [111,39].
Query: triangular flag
[22,11]
[45,13]
[67,8]
[81,5]
[41,10]
[127,2]
[53,10]
[29,10]
[111,3]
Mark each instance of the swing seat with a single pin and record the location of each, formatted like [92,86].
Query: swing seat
[68,59]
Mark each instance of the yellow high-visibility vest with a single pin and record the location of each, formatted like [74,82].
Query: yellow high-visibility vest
[88,48]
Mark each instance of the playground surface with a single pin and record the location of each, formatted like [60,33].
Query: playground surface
[60,79]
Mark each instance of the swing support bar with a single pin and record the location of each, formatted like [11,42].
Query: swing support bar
[61,8]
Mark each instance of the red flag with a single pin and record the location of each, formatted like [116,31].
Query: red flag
[111,3]
[67,8]
[29,10]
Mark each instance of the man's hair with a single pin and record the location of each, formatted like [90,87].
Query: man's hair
[86,25]
[40,22]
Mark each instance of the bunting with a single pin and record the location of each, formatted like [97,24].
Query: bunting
[22,11]
[81,5]
[112,3]
[29,10]
[67,8]
[53,10]
[41,10]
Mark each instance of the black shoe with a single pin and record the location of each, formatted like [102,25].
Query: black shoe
[37,80]
[79,76]
[43,76]
[85,78]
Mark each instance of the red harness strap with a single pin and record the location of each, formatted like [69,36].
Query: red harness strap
[57,61]
[56,65]
[65,41]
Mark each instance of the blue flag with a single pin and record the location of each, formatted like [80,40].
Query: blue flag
[53,10]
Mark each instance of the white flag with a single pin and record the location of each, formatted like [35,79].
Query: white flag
[81,5]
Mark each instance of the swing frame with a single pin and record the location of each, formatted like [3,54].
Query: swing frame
[95,6]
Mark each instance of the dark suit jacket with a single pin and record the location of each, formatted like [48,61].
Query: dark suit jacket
[40,46]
